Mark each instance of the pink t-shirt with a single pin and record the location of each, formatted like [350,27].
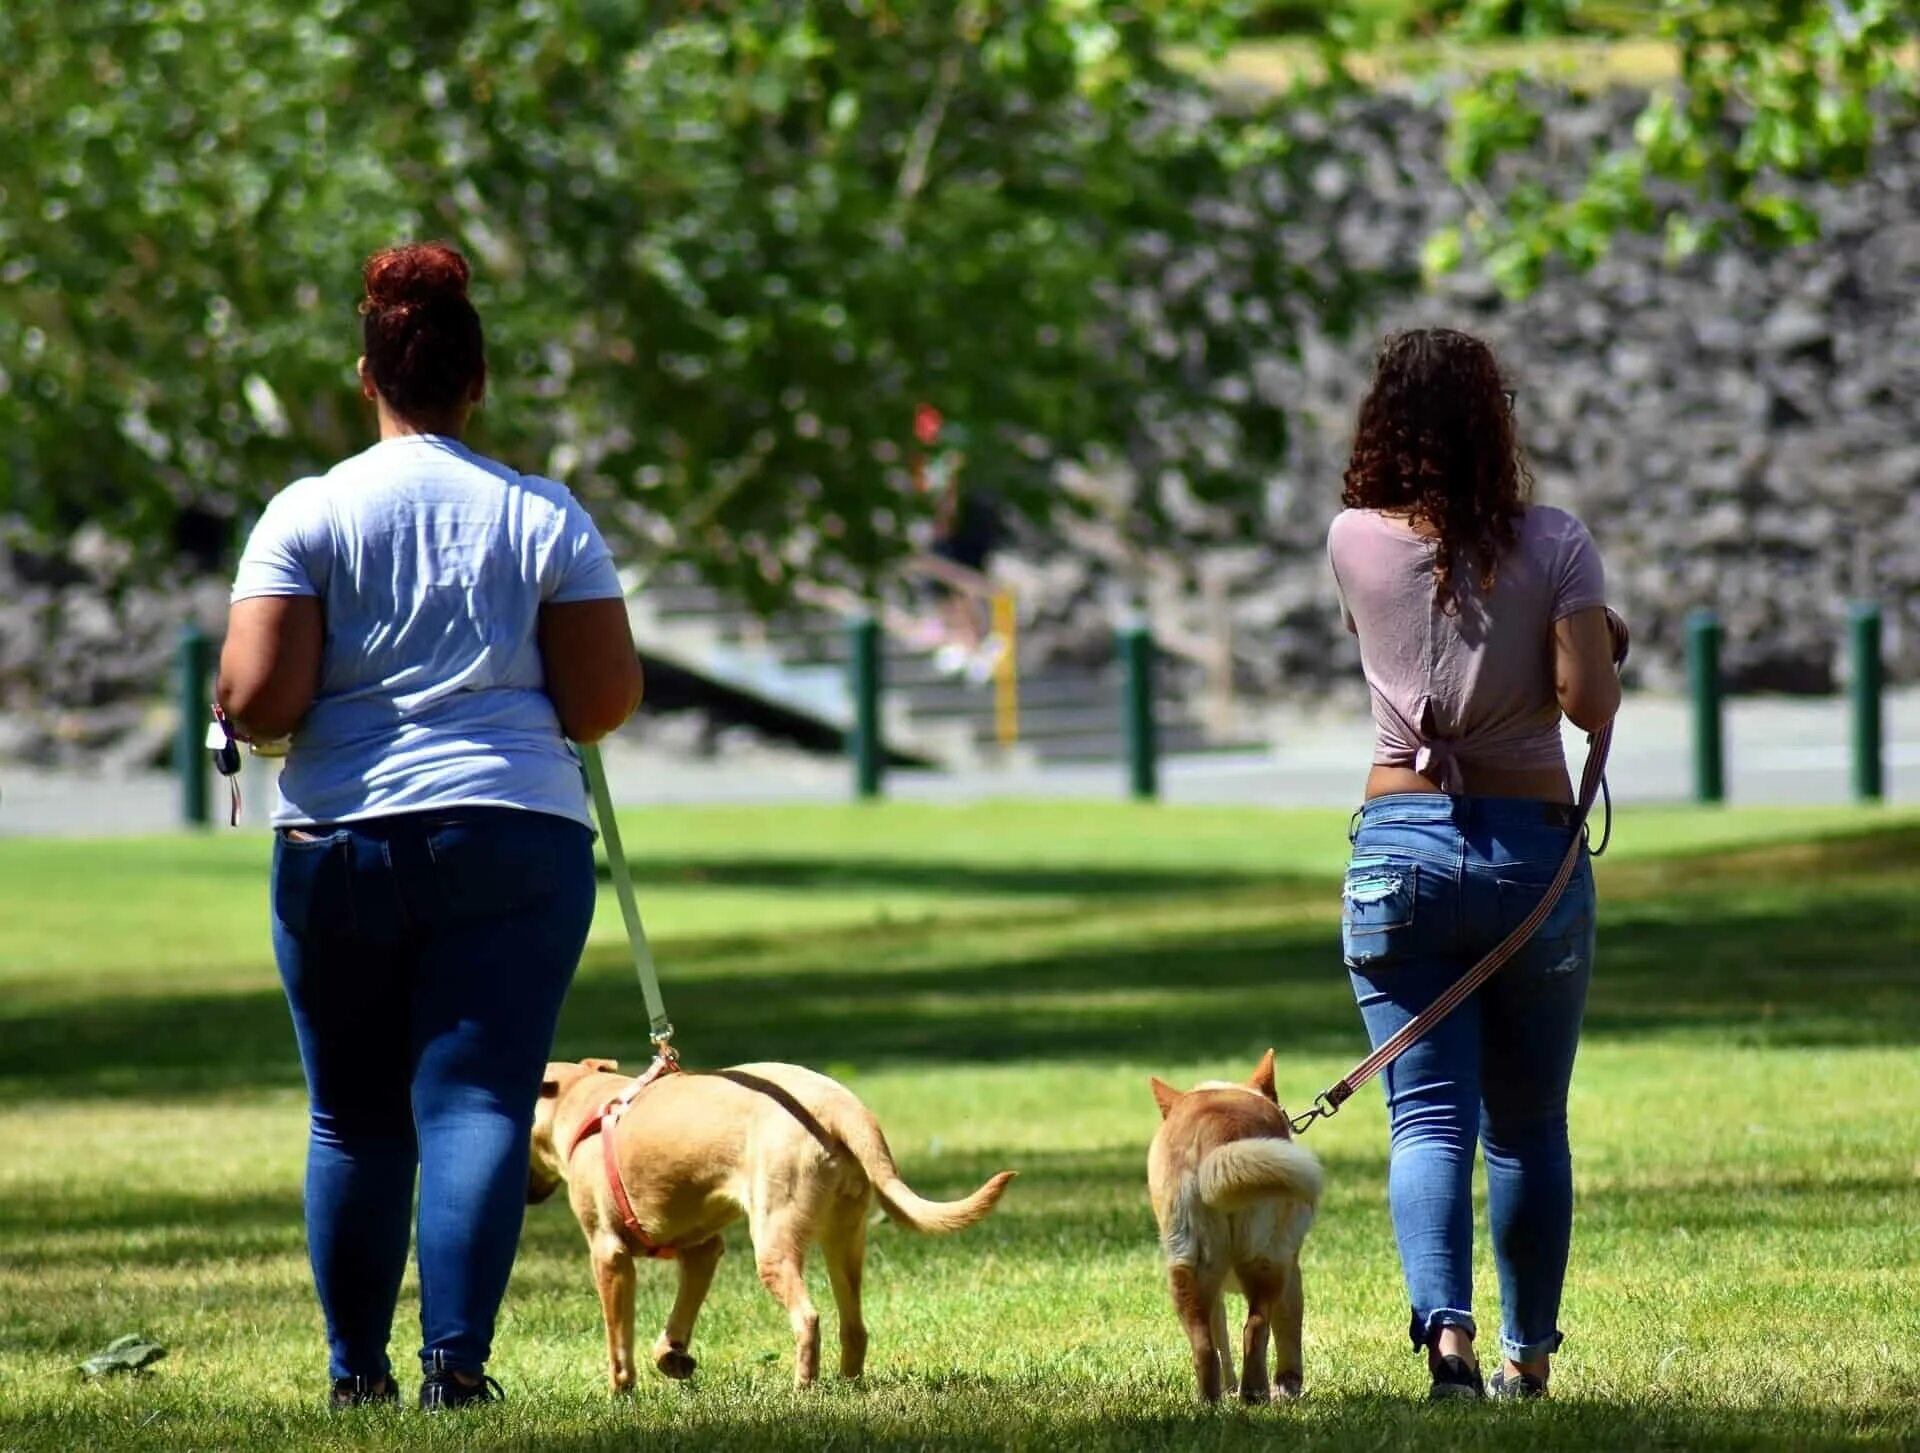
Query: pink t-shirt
[1476,686]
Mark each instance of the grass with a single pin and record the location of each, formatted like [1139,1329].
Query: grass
[1581,63]
[997,982]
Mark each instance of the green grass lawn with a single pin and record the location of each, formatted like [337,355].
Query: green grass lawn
[997,982]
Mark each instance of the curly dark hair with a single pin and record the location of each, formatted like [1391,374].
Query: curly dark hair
[1435,439]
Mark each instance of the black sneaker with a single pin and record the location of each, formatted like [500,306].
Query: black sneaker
[1521,1387]
[362,1392]
[441,1389]
[1456,1380]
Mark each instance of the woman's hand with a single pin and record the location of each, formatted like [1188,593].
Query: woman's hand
[592,671]
[1585,678]
[270,664]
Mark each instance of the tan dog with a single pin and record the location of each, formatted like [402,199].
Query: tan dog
[791,1150]
[1234,1197]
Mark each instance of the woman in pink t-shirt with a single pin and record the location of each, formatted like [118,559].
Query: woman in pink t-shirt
[1481,621]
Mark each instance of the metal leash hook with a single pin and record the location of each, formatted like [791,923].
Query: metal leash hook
[664,1054]
[1325,1107]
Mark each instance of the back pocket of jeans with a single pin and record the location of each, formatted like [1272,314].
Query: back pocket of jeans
[1376,910]
[1564,940]
[312,892]
[503,865]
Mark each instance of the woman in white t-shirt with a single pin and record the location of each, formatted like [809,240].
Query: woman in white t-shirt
[429,626]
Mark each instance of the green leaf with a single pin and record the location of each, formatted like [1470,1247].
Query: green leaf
[130,1353]
[1442,253]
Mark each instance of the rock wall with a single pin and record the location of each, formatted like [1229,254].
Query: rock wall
[1741,431]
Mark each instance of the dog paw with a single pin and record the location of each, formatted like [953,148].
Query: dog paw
[674,1362]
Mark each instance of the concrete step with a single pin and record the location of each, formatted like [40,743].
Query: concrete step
[1112,746]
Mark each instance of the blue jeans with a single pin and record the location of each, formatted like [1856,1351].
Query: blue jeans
[425,957]
[1433,884]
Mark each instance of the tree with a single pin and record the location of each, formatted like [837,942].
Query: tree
[724,252]
[1764,91]
[723,257]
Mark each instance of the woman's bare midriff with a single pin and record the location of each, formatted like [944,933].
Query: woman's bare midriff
[1543,784]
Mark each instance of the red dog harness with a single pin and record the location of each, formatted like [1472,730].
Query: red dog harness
[604,1125]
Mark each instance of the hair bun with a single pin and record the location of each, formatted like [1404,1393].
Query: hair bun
[413,275]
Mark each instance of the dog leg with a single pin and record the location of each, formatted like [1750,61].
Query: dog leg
[697,1265]
[1254,1386]
[780,1248]
[1222,1342]
[1196,1306]
[1289,1309]
[613,1275]
[845,1245]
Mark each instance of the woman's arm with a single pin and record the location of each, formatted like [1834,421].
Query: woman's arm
[592,672]
[270,664]
[1584,677]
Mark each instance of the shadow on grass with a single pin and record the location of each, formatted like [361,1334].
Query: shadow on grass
[1817,945]
[948,879]
[970,1411]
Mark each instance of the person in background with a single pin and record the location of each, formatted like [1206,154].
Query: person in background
[1482,620]
[966,531]
[429,626]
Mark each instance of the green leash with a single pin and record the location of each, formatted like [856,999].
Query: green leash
[660,1027]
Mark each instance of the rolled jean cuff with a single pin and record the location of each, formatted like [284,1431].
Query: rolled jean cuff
[1531,1351]
[1426,1332]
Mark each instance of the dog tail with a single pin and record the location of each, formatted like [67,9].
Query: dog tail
[1243,1172]
[856,1129]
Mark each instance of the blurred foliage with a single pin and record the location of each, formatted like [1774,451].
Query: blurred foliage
[722,255]
[1768,92]
[723,252]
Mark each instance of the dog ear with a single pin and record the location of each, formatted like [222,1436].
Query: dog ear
[1263,1078]
[600,1064]
[1164,1095]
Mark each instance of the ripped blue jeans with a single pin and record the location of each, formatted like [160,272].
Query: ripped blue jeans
[1434,883]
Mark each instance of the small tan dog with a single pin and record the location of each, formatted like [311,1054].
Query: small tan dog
[1234,1197]
[791,1150]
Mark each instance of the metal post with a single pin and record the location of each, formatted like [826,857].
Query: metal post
[1866,685]
[190,760]
[1143,750]
[1703,682]
[863,635]
[1006,672]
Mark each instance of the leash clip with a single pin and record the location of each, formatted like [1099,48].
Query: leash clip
[1325,1107]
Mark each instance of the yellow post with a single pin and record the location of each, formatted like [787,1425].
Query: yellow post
[1006,673]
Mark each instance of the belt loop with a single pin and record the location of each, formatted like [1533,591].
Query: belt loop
[1353,824]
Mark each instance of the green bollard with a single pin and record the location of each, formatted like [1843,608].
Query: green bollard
[190,760]
[1868,681]
[863,664]
[1703,682]
[1143,748]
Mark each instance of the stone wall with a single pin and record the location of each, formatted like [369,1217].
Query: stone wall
[1740,432]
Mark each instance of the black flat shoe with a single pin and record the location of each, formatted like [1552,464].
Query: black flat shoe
[440,1390]
[1521,1387]
[362,1392]
[1456,1380]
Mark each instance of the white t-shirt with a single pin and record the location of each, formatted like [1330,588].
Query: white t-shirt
[431,563]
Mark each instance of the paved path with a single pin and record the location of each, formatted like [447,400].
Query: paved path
[1777,751]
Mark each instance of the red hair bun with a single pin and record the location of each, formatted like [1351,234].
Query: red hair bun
[417,273]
